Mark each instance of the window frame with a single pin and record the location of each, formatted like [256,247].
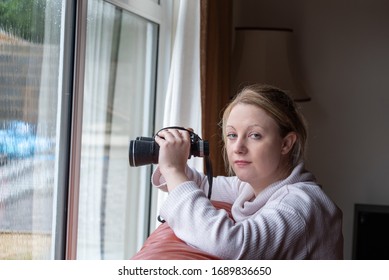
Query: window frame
[60,215]
[65,241]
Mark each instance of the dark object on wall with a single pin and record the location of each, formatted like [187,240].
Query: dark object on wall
[371,232]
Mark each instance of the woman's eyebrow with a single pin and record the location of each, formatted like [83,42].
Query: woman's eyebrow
[250,126]
[255,125]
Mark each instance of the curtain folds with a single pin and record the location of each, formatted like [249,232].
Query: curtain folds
[183,101]
[183,96]
[199,80]
[215,46]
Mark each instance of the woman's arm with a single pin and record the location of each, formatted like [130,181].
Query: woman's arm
[273,233]
[174,148]
[225,189]
[173,170]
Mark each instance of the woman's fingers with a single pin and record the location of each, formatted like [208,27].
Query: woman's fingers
[174,134]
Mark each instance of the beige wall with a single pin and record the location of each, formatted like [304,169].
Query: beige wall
[343,49]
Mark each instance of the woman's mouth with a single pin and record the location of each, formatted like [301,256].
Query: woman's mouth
[241,163]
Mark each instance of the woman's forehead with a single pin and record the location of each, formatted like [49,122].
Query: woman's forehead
[248,115]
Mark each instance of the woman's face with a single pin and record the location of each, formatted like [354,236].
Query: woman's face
[256,151]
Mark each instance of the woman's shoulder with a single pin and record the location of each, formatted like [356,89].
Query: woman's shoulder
[305,198]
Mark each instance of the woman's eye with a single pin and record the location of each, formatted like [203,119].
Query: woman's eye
[231,135]
[255,136]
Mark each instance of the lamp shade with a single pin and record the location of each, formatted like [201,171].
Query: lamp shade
[266,56]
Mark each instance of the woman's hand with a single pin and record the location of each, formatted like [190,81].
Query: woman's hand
[174,149]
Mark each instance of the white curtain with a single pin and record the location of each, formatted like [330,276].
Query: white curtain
[183,98]
[117,101]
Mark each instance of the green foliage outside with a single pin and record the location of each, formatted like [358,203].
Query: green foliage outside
[23,18]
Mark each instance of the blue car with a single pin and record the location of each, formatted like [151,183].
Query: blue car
[18,140]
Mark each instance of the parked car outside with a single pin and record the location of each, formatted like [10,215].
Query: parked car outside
[19,140]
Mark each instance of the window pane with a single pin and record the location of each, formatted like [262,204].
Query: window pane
[118,106]
[29,59]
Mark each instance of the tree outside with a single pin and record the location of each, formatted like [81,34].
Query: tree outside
[23,18]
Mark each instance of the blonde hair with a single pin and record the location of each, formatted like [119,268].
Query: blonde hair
[279,106]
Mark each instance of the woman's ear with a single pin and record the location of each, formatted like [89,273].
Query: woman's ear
[288,142]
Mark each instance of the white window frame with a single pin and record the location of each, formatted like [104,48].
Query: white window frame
[162,14]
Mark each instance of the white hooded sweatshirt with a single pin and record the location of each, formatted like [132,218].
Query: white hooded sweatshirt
[289,219]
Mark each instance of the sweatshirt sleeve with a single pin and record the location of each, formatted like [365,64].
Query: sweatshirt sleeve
[194,219]
[159,181]
[224,189]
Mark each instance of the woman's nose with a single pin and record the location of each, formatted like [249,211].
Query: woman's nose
[240,146]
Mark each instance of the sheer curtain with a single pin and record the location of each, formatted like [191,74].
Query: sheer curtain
[183,100]
[183,106]
[120,67]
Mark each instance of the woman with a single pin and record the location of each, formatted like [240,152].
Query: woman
[279,211]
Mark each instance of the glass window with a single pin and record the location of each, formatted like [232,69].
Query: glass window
[38,166]
[118,105]
[30,33]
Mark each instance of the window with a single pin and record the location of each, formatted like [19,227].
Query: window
[29,59]
[65,151]
[119,94]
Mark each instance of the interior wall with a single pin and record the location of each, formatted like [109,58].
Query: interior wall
[343,50]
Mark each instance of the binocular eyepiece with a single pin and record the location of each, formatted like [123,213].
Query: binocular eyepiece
[144,150]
